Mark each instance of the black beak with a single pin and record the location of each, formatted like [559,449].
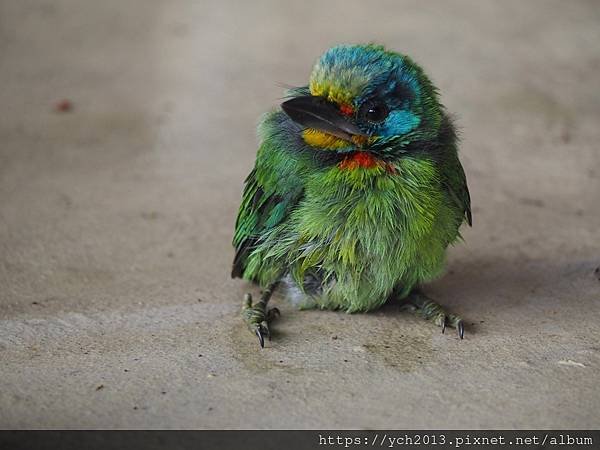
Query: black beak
[318,113]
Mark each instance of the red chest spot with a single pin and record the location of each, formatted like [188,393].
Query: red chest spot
[359,159]
[365,160]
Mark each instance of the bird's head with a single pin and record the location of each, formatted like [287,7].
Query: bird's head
[365,98]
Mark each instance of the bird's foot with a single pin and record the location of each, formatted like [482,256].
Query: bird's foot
[430,310]
[257,317]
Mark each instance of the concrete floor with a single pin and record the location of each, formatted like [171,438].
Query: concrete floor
[116,306]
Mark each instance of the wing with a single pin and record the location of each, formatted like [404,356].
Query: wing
[456,183]
[266,202]
[454,174]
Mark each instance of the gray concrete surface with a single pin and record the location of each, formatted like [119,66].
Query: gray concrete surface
[116,307]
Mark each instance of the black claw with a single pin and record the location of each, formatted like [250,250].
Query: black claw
[261,339]
[444,326]
[461,329]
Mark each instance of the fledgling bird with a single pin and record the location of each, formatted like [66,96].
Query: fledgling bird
[356,193]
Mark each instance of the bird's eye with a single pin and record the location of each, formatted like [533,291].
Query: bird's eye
[373,111]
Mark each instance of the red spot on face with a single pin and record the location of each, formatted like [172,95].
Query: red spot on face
[347,110]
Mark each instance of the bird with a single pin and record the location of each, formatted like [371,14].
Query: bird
[356,193]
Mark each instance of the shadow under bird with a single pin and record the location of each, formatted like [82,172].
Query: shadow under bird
[356,193]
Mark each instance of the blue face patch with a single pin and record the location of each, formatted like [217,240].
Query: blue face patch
[399,121]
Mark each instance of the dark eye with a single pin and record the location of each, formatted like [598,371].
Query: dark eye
[373,111]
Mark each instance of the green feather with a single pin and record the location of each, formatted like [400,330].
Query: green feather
[365,232]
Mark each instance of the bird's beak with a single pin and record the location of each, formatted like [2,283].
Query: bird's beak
[318,113]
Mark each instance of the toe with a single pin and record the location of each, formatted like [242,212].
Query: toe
[272,314]
[456,322]
[261,339]
[460,327]
[264,328]
[247,300]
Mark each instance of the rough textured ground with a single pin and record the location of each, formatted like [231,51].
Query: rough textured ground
[116,306]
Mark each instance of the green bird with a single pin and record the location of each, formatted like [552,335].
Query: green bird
[356,193]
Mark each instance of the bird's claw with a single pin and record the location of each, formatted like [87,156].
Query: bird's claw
[461,329]
[261,339]
[457,323]
[429,309]
[262,330]
[257,317]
